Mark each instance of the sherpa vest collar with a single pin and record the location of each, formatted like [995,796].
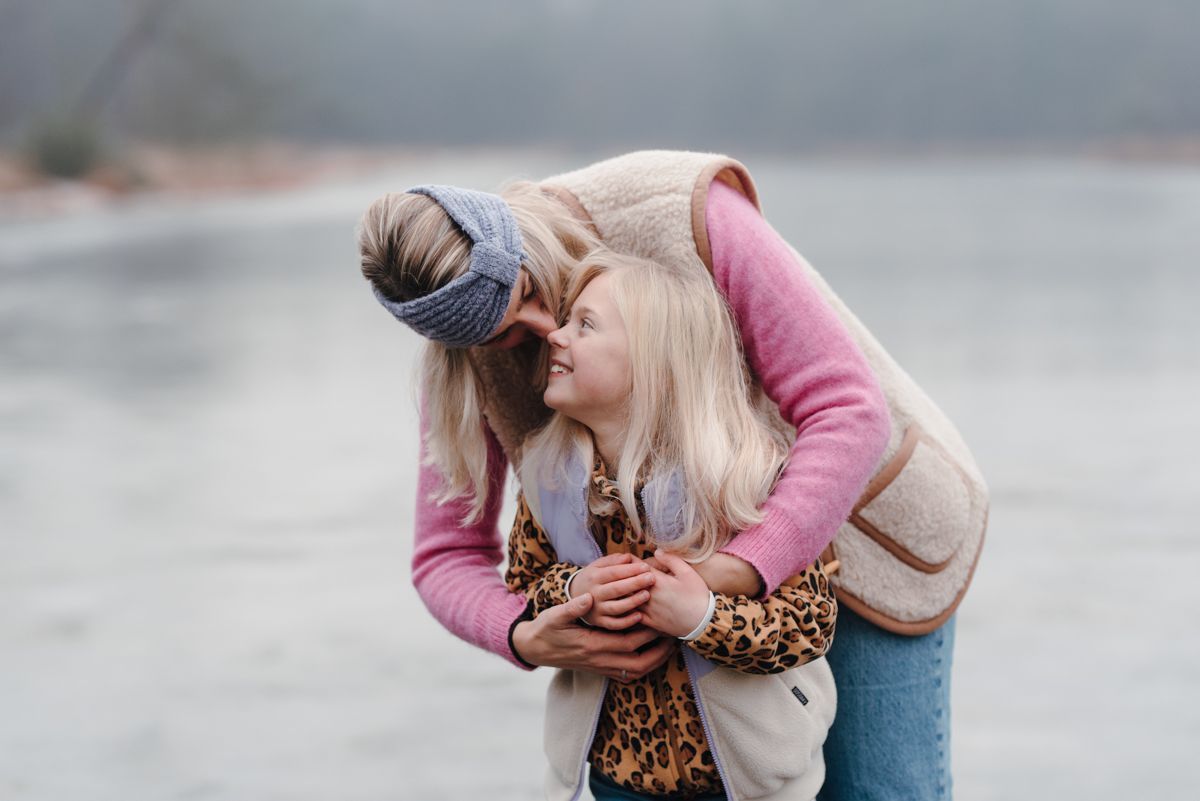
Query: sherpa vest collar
[765,732]
[909,548]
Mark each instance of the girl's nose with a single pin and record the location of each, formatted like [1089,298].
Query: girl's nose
[558,337]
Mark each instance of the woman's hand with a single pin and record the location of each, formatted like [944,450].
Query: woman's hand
[618,584]
[678,599]
[555,639]
[729,575]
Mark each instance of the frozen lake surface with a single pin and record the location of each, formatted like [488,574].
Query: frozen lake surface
[209,447]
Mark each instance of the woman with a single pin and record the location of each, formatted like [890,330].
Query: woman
[481,277]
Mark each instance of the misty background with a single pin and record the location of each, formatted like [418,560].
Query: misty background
[207,430]
[776,76]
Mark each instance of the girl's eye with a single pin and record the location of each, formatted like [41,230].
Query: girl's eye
[586,323]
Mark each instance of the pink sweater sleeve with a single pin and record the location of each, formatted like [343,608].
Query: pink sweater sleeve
[809,365]
[454,565]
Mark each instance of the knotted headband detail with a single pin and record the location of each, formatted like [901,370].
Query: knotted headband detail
[470,308]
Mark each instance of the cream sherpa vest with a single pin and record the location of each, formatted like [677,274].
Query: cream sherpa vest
[910,545]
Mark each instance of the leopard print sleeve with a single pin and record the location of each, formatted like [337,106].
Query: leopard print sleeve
[533,569]
[791,626]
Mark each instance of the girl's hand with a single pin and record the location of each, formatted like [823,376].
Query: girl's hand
[678,599]
[727,574]
[618,584]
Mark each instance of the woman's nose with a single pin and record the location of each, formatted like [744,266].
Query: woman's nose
[537,319]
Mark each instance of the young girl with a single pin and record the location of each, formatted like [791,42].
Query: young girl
[657,452]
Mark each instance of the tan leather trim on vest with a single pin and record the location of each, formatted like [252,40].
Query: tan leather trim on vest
[568,199]
[878,484]
[727,171]
[892,469]
[896,549]
[908,628]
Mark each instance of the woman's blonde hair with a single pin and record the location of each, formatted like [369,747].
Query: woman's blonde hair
[410,247]
[694,412]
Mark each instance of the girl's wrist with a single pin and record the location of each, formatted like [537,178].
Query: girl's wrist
[567,591]
[703,624]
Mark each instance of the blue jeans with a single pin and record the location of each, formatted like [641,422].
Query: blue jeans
[891,737]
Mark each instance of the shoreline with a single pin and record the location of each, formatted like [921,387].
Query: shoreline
[145,170]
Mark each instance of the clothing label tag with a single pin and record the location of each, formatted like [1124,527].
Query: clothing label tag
[801,697]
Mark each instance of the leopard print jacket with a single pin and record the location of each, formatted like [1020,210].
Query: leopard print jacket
[649,738]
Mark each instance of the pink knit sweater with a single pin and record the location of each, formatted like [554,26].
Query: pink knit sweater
[808,365]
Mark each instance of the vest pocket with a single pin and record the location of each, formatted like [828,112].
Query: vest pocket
[918,506]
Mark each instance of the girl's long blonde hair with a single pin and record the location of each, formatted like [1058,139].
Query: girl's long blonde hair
[410,247]
[694,412]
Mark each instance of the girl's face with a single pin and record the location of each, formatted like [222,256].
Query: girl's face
[590,377]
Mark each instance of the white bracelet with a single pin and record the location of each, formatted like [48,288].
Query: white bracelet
[696,632]
[567,590]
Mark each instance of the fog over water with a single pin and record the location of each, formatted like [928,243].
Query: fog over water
[209,452]
[768,75]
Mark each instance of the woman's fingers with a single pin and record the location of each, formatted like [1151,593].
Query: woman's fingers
[612,652]
[564,615]
[555,639]
[620,643]
[616,623]
[637,665]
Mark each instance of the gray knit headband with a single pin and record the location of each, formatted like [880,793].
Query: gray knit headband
[467,310]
